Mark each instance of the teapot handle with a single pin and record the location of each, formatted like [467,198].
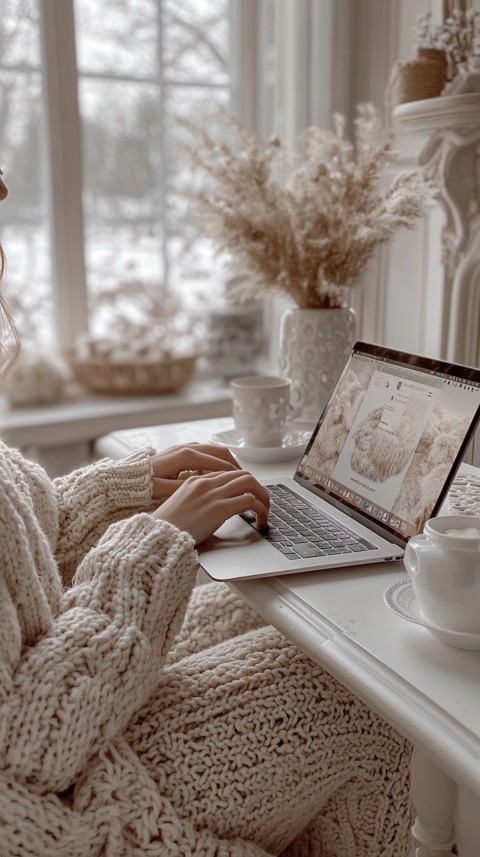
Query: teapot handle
[410,558]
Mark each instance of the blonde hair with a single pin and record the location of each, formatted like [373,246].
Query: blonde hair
[9,338]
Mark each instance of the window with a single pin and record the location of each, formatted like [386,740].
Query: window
[99,86]
[141,65]
[24,229]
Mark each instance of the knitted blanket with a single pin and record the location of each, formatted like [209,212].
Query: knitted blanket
[141,715]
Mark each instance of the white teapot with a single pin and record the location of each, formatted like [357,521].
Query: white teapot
[444,567]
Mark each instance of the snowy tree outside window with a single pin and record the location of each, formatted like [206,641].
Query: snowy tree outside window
[141,64]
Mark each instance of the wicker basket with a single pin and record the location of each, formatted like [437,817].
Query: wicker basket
[423,77]
[134,379]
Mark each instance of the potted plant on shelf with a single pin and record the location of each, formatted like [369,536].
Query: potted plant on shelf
[441,50]
[305,229]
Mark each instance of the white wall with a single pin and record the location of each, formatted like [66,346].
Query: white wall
[402,298]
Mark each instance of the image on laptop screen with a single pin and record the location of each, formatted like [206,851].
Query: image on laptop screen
[392,432]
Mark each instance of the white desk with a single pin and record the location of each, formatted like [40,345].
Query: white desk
[429,691]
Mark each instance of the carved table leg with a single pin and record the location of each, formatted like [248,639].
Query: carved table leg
[434,798]
[467,822]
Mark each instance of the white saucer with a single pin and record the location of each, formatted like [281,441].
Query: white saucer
[400,597]
[292,446]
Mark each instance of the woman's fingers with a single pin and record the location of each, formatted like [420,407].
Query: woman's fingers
[166,487]
[244,487]
[233,484]
[245,503]
[198,458]
[190,452]
[163,488]
[222,453]
[202,503]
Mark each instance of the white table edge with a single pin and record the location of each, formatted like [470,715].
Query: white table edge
[392,697]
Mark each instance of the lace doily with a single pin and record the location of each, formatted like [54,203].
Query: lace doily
[464,494]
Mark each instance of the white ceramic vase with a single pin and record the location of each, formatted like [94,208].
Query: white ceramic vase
[314,344]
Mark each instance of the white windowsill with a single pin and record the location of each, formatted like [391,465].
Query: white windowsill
[93,415]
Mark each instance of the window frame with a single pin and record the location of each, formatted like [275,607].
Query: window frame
[64,150]
[64,169]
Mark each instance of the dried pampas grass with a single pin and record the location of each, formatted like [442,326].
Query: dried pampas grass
[308,229]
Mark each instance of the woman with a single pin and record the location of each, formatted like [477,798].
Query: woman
[141,715]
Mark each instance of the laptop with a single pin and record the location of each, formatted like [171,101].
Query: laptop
[378,464]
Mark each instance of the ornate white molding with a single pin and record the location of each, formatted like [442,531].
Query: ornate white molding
[450,157]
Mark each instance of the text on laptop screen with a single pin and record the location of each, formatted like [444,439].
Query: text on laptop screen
[389,437]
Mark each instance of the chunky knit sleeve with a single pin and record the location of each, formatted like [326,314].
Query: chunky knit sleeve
[91,498]
[97,659]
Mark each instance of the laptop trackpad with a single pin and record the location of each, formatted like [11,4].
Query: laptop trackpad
[233,533]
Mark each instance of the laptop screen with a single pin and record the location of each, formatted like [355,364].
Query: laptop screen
[391,437]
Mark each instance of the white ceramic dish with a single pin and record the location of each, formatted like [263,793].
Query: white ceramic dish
[294,443]
[400,597]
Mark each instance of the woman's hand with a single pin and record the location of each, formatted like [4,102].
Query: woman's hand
[202,503]
[171,463]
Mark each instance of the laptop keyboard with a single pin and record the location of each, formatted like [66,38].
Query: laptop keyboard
[299,530]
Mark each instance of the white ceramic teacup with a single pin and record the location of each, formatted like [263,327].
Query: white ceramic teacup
[444,567]
[261,409]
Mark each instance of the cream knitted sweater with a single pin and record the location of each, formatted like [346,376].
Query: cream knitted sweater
[113,742]
[76,663]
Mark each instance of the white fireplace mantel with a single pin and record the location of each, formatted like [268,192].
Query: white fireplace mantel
[450,157]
